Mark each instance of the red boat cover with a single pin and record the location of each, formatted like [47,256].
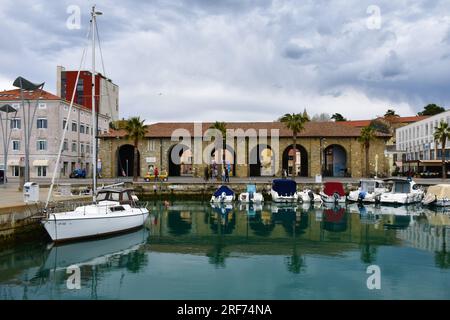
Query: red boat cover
[334,187]
[334,216]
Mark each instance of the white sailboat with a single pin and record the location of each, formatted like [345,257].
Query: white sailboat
[113,210]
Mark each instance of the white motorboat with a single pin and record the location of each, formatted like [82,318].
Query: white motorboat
[402,192]
[333,192]
[284,190]
[308,196]
[438,195]
[223,195]
[251,196]
[114,211]
[369,191]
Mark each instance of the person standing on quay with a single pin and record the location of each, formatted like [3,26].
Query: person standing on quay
[156,173]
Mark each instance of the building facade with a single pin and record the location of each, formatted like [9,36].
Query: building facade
[393,123]
[255,149]
[50,117]
[106,92]
[417,151]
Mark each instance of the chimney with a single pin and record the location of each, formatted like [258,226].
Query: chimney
[59,71]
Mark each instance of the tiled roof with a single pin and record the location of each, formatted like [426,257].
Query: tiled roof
[12,95]
[365,123]
[311,130]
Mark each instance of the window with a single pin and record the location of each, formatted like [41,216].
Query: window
[41,145]
[74,127]
[41,171]
[16,145]
[88,148]
[65,145]
[64,123]
[80,91]
[74,147]
[151,145]
[42,106]
[81,128]
[15,123]
[81,147]
[42,123]
[15,171]
[87,129]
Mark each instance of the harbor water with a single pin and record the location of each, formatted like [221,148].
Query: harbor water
[192,250]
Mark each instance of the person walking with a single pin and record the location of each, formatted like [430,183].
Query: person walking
[156,174]
[206,174]
[227,175]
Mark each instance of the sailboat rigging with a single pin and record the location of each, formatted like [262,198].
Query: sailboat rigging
[112,210]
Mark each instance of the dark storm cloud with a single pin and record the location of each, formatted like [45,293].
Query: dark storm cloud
[243,60]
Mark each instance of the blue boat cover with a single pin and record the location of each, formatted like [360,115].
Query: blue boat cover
[251,188]
[223,189]
[284,187]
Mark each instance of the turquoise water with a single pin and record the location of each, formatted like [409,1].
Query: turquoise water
[191,250]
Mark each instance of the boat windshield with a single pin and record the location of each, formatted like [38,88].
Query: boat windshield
[367,186]
[401,187]
[111,196]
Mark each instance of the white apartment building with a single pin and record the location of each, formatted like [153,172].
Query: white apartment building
[415,142]
[51,115]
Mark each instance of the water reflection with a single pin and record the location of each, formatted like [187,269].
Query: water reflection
[306,238]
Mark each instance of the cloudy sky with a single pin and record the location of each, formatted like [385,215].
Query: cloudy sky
[239,60]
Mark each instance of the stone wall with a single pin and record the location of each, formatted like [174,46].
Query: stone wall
[159,149]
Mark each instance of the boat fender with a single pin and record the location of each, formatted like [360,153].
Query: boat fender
[362,195]
[336,197]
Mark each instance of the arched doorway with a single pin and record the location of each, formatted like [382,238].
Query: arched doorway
[230,158]
[125,161]
[262,161]
[335,161]
[180,160]
[301,160]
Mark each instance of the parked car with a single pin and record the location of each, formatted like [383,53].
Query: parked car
[151,177]
[78,173]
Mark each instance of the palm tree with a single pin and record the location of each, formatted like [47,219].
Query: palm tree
[367,135]
[222,127]
[441,134]
[136,130]
[294,122]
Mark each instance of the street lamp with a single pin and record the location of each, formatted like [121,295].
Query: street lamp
[6,108]
[24,84]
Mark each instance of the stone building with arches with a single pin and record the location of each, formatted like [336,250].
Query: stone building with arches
[252,149]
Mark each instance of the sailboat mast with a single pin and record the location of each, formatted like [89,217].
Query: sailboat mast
[94,113]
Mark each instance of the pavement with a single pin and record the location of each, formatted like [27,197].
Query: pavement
[10,196]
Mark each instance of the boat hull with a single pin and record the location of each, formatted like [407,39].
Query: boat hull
[282,199]
[76,228]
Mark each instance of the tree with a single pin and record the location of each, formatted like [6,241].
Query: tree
[441,134]
[222,127]
[381,125]
[430,110]
[321,117]
[390,113]
[368,134]
[305,115]
[294,122]
[338,117]
[136,130]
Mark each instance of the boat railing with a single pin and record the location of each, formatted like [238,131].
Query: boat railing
[58,207]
